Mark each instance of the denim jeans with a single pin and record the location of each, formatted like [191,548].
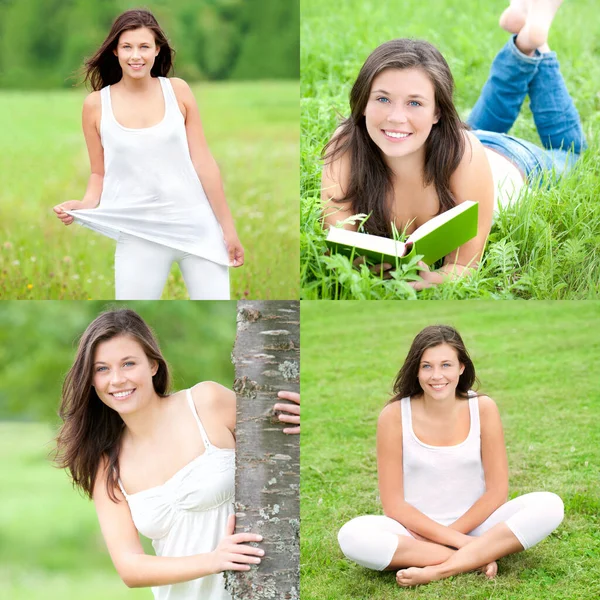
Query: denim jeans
[513,75]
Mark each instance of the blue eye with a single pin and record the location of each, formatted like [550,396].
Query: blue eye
[414,103]
[98,369]
[383,100]
[128,363]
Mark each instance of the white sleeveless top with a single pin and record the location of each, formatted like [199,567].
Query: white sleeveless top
[508,181]
[151,189]
[443,482]
[188,515]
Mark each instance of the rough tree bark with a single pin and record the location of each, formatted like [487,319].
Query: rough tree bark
[267,359]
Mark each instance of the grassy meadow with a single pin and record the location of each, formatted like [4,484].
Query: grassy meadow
[537,360]
[546,246]
[51,546]
[252,130]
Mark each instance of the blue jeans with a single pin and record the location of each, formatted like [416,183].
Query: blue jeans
[513,75]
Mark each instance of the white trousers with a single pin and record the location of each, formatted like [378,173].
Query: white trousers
[142,268]
[371,541]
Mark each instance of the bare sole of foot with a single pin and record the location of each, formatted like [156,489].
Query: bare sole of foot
[490,570]
[534,33]
[514,17]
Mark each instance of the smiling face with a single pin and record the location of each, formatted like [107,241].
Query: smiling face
[122,374]
[136,51]
[439,372]
[400,111]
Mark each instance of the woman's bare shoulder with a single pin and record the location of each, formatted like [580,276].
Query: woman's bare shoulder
[390,417]
[93,100]
[216,399]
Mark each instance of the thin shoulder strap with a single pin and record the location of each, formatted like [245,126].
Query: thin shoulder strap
[195,413]
[406,417]
[474,412]
[168,93]
[120,484]
[105,100]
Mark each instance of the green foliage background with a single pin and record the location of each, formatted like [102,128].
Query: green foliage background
[43,42]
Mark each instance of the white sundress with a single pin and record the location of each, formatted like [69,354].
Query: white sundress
[188,515]
[151,189]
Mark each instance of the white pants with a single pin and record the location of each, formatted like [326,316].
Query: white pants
[371,541]
[142,268]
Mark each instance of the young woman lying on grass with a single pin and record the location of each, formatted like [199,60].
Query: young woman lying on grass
[404,156]
[443,475]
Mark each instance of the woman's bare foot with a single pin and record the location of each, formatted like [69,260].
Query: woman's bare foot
[490,570]
[416,576]
[534,33]
[514,17]
[423,575]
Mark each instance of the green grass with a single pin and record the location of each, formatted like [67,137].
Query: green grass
[544,248]
[51,546]
[537,360]
[252,130]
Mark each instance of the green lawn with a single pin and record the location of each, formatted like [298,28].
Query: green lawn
[538,360]
[50,541]
[544,248]
[252,129]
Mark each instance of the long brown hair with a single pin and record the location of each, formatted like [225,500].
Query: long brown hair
[103,67]
[370,188]
[407,381]
[91,431]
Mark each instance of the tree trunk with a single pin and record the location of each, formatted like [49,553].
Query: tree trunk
[267,360]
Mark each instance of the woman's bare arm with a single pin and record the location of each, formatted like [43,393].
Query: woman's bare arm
[90,120]
[207,169]
[334,183]
[138,569]
[472,180]
[495,468]
[391,488]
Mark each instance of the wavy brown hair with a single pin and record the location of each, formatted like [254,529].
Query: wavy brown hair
[103,67]
[91,431]
[407,381]
[370,188]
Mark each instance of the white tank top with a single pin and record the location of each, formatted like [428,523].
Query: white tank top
[151,189]
[188,515]
[443,482]
[508,181]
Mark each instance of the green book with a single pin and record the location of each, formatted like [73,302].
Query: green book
[434,239]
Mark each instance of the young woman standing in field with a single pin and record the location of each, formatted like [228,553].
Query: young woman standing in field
[158,463]
[154,186]
[443,475]
[404,156]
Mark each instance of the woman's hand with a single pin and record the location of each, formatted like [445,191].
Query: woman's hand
[232,554]
[234,249]
[293,409]
[59,209]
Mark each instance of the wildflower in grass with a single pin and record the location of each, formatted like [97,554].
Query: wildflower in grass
[7,245]
[67,260]
[33,259]
[29,286]
[16,263]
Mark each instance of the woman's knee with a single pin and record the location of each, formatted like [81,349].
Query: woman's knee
[553,507]
[366,545]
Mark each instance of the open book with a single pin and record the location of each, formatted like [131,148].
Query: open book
[434,239]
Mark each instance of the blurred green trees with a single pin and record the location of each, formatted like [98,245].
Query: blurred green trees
[38,340]
[43,43]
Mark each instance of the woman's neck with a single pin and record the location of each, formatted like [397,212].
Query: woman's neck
[136,86]
[409,167]
[145,423]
